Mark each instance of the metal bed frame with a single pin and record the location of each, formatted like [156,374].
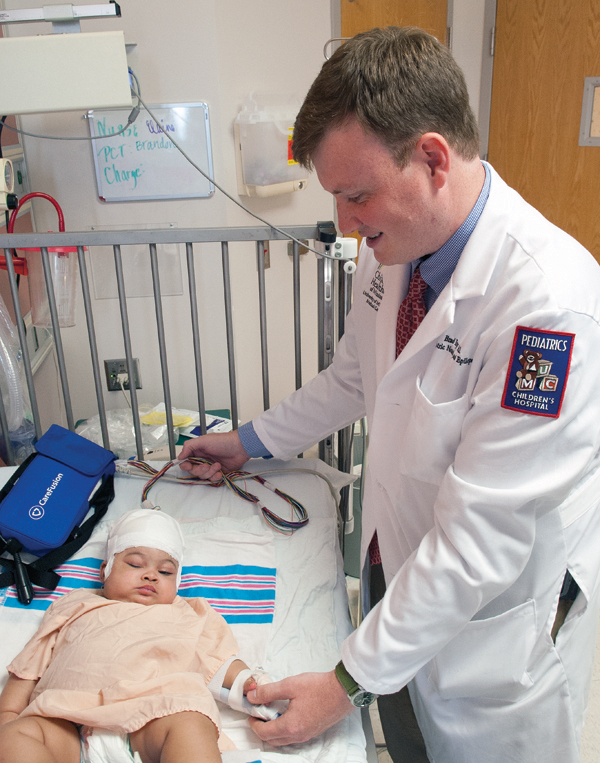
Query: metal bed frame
[334,289]
[333,295]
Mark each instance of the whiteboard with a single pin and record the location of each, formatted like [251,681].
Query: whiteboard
[142,163]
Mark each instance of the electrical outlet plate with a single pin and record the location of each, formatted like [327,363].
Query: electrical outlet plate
[115,367]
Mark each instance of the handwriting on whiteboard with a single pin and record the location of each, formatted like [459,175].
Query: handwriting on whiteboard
[108,155]
[142,163]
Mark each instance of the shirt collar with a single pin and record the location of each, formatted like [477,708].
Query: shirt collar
[437,268]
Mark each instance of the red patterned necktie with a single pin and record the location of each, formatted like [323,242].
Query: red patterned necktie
[411,313]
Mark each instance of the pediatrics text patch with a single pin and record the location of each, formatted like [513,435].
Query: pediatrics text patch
[538,371]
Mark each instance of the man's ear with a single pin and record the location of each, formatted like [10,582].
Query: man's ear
[433,149]
[101,572]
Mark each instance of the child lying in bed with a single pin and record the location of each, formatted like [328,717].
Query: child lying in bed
[131,668]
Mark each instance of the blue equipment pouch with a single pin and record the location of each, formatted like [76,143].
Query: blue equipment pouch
[44,502]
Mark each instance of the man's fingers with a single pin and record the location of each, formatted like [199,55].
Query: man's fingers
[266,693]
[212,472]
[277,733]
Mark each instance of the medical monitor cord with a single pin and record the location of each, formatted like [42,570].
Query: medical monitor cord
[130,120]
[220,188]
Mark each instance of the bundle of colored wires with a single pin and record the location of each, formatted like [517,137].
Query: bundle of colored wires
[278,523]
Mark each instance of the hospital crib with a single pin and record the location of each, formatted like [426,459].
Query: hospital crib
[333,300]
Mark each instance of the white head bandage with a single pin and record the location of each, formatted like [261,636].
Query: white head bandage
[145,527]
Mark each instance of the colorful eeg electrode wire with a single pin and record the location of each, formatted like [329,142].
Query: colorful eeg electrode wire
[281,525]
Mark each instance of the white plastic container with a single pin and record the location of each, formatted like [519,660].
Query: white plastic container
[264,133]
[63,267]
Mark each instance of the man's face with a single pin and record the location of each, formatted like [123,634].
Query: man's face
[141,575]
[393,208]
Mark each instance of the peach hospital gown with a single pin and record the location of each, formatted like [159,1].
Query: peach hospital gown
[118,665]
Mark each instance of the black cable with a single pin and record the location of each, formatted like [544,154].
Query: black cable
[130,120]
[1,126]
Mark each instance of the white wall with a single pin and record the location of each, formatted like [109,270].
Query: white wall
[467,43]
[216,51]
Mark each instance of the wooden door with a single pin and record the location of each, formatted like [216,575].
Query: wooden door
[544,49]
[360,15]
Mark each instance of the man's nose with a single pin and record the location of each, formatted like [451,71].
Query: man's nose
[347,221]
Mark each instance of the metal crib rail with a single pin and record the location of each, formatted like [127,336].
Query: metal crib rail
[190,237]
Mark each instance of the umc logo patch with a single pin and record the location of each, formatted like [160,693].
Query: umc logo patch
[538,371]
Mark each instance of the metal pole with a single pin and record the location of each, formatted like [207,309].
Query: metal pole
[89,317]
[128,353]
[345,436]
[262,302]
[326,334]
[189,249]
[229,329]
[60,356]
[297,323]
[162,348]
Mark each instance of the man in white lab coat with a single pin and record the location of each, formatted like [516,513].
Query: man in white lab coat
[483,476]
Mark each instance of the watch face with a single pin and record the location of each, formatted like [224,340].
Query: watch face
[363,698]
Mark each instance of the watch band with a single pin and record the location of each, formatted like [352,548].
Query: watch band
[348,683]
[356,694]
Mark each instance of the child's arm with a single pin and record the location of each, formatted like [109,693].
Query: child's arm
[233,671]
[15,697]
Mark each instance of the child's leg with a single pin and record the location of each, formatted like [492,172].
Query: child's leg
[39,740]
[187,737]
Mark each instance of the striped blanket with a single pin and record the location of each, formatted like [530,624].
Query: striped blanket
[241,593]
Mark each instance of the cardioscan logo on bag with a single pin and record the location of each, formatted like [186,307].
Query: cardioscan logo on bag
[538,371]
[37,511]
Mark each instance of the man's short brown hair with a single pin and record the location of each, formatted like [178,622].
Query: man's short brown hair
[399,83]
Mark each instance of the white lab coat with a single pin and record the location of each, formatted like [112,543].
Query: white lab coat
[479,510]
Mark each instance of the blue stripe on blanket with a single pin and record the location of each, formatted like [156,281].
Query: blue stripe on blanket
[240,593]
[81,573]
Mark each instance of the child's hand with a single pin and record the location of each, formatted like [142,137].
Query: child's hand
[268,711]
[238,701]
[250,685]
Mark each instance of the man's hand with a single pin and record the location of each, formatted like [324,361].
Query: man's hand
[224,448]
[317,702]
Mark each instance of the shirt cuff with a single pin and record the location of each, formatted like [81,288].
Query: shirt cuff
[252,442]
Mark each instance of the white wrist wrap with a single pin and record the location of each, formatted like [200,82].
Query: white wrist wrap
[237,700]
[215,685]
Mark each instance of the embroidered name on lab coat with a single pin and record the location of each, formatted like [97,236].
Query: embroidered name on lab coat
[452,345]
[375,293]
[538,371]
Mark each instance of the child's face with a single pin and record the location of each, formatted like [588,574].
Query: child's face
[141,575]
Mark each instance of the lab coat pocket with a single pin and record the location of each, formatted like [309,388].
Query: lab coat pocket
[439,427]
[489,658]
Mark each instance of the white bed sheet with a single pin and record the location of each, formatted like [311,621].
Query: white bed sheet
[310,618]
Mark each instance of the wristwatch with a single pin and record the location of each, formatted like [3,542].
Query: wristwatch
[357,695]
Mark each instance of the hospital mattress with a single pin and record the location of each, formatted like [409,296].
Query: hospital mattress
[284,596]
